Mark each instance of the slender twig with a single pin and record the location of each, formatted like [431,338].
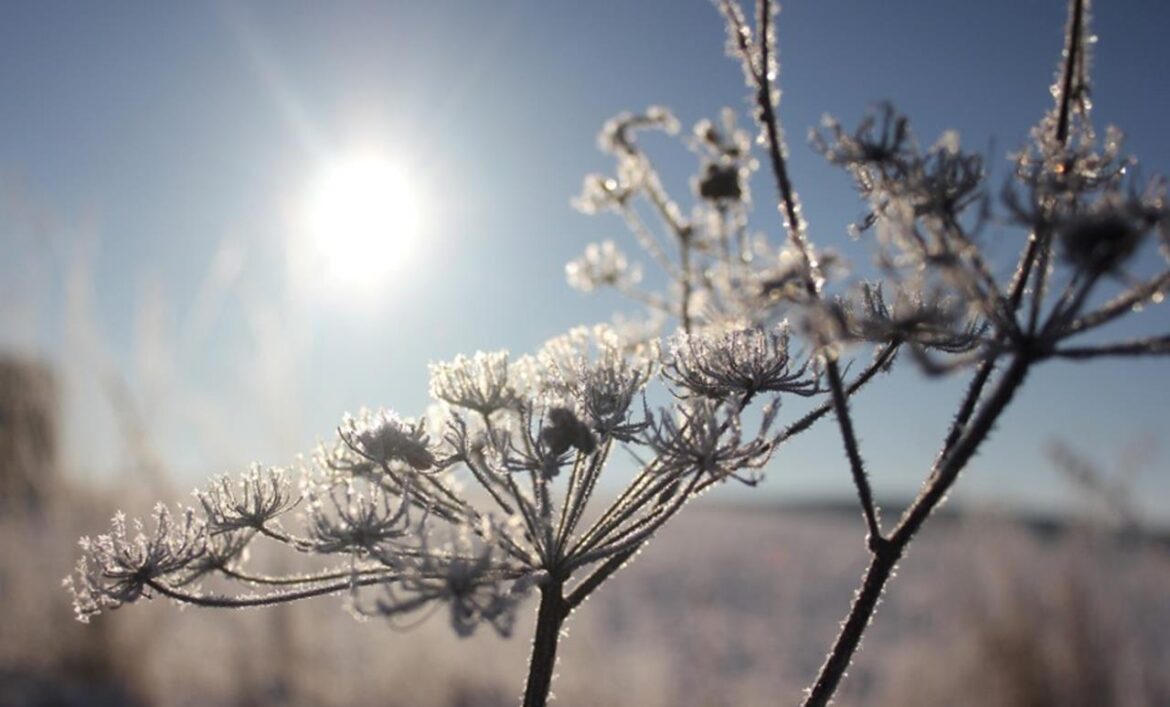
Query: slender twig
[1119,306]
[879,363]
[684,308]
[1072,59]
[886,555]
[968,431]
[1153,346]
[297,580]
[267,599]
[856,465]
[586,587]
[765,91]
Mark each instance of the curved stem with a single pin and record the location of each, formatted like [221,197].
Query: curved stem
[222,602]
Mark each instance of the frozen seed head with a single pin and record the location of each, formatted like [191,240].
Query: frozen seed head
[720,182]
[478,383]
[707,437]
[118,567]
[738,362]
[589,370]
[726,161]
[258,497]
[898,178]
[933,323]
[353,520]
[464,575]
[602,265]
[1100,243]
[387,438]
[562,430]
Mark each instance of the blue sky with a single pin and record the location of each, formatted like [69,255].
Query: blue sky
[154,158]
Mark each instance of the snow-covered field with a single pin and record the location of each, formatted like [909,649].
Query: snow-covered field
[728,606]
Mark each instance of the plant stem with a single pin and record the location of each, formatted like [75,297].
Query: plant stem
[549,618]
[886,554]
[685,263]
[856,465]
[1069,79]
[880,568]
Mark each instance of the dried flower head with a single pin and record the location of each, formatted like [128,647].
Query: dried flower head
[466,576]
[602,265]
[354,520]
[478,383]
[707,437]
[386,438]
[736,363]
[117,568]
[258,497]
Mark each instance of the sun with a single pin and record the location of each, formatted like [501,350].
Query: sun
[363,218]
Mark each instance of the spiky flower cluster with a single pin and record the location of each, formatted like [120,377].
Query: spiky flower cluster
[737,363]
[479,383]
[118,568]
[602,265]
[473,506]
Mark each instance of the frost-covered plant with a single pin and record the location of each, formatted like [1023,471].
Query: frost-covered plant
[476,505]
[493,496]
[1084,220]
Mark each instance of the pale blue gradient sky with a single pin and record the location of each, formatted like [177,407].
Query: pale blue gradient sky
[154,155]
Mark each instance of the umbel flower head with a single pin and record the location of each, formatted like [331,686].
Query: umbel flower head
[736,362]
[353,519]
[465,576]
[386,438]
[726,161]
[478,383]
[590,370]
[602,265]
[119,567]
[708,437]
[261,495]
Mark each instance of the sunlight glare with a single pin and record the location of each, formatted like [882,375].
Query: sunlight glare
[364,218]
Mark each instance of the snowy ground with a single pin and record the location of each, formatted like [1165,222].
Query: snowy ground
[729,606]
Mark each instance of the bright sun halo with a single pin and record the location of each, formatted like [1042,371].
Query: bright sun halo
[364,218]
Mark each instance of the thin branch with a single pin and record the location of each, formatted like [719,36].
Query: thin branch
[1119,306]
[269,600]
[594,580]
[1072,57]
[856,465]
[614,563]
[296,580]
[1153,346]
[880,362]
[887,554]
